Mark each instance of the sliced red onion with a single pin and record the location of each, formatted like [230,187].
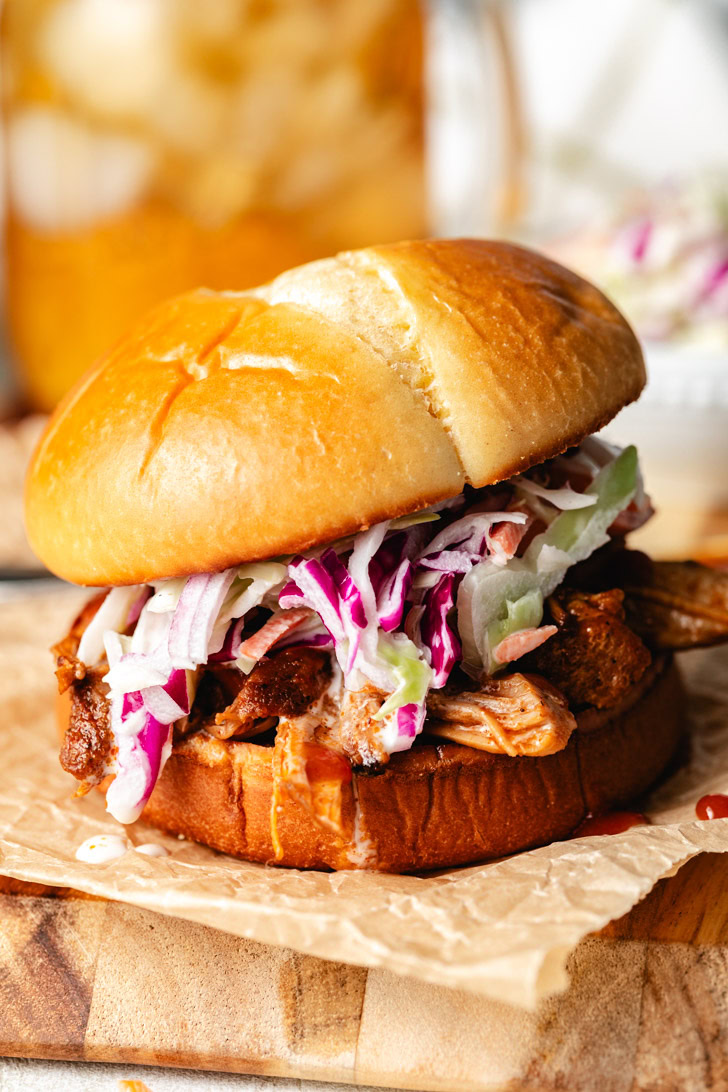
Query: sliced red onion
[231,643]
[195,616]
[135,671]
[151,635]
[143,746]
[183,621]
[136,608]
[169,702]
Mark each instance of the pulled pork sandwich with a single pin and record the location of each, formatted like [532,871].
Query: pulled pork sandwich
[369,603]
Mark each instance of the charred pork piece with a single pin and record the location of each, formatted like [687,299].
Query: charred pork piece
[509,715]
[594,657]
[677,604]
[69,668]
[283,686]
[88,741]
[670,604]
[217,688]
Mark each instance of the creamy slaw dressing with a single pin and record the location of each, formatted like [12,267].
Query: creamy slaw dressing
[101,848]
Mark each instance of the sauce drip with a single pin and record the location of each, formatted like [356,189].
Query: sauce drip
[150,849]
[713,806]
[615,822]
[323,764]
[309,775]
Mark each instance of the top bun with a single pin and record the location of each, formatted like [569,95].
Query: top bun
[229,427]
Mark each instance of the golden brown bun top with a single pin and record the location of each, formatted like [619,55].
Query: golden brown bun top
[228,427]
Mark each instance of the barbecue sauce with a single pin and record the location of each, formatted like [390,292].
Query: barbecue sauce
[613,823]
[713,806]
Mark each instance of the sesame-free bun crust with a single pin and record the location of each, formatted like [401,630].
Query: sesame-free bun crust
[438,805]
[228,427]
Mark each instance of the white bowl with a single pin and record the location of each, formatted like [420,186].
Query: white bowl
[680,427]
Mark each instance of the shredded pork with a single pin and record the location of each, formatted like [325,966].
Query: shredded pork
[508,715]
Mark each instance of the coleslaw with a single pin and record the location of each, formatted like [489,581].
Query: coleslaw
[399,606]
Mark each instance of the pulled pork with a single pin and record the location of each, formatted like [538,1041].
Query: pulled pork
[507,715]
[357,733]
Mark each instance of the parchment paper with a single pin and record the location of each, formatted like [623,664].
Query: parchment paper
[18,437]
[503,929]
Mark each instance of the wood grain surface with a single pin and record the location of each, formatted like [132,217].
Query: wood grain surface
[81,978]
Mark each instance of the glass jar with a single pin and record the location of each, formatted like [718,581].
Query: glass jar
[154,145]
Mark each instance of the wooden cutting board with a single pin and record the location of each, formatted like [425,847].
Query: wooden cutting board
[81,978]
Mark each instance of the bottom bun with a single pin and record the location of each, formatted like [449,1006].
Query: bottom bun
[438,805]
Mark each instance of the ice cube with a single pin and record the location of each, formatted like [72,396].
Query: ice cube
[64,175]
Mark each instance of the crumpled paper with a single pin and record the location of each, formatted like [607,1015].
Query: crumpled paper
[503,929]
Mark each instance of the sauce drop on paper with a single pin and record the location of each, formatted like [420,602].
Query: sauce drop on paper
[613,823]
[101,848]
[713,806]
[108,847]
[149,849]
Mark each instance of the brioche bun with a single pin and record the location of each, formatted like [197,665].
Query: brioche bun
[228,427]
[435,806]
